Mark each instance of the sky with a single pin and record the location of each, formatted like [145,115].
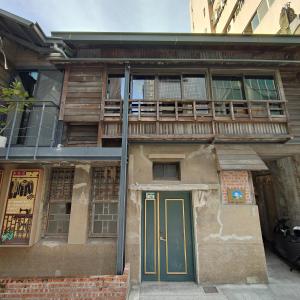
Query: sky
[104,15]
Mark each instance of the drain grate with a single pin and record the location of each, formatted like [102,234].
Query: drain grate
[210,290]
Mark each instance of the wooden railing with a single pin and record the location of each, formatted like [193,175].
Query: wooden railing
[199,118]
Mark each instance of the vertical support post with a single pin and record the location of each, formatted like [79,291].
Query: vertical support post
[39,131]
[12,130]
[123,178]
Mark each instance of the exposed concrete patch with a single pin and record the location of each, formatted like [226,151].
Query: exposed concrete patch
[79,185]
[51,244]
[203,151]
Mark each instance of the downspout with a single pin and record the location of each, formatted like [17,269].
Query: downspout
[61,51]
[3,53]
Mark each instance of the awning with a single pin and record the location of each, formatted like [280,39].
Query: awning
[238,157]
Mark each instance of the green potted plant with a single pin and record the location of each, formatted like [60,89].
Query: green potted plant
[9,97]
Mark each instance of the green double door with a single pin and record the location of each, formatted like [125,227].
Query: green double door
[167,245]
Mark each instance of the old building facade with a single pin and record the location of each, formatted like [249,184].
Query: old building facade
[175,153]
[245,16]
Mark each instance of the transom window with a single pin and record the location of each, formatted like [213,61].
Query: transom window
[166,171]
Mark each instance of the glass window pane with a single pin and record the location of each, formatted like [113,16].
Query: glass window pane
[261,88]
[166,171]
[142,87]
[115,87]
[169,87]
[255,22]
[262,9]
[194,87]
[227,88]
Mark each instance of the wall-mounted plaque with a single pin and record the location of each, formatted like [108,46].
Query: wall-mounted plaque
[17,221]
[236,195]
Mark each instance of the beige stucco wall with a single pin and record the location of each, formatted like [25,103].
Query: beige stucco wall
[225,235]
[268,25]
[74,255]
[199,22]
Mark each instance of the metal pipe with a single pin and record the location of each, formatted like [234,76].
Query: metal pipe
[123,179]
[12,130]
[39,132]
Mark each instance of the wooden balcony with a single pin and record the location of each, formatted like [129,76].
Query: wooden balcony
[169,119]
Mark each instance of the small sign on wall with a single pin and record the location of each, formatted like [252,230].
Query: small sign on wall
[17,220]
[236,195]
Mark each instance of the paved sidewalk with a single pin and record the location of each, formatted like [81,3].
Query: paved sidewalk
[283,285]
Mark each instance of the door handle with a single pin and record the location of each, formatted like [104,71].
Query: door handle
[162,238]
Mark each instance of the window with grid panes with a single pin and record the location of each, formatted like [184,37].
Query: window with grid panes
[60,200]
[105,201]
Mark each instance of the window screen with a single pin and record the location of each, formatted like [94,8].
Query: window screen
[169,87]
[194,87]
[166,171]
[227,88]
[261,88]
[60,199]
[104,201]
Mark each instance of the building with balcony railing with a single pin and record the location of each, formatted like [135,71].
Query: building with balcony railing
[160,150]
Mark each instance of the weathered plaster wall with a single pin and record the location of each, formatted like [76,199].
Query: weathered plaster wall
[286,177]
[75,255]
[228,239]
[228,244]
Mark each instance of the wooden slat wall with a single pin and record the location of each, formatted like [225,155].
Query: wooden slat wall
[291,87]
[238,157]
[83,94]
[81,135]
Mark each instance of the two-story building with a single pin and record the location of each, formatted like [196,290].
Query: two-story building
[175,153]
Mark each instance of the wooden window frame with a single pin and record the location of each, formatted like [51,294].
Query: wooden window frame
[158,178]
[91,233]
[49,202]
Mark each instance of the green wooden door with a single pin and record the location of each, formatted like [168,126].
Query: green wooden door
[167,245]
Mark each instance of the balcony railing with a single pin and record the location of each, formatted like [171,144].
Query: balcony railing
[31,124]
[171,118]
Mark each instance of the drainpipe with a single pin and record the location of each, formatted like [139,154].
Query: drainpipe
[3,53]
[60,50]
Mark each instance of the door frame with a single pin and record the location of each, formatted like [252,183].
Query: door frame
[156,277]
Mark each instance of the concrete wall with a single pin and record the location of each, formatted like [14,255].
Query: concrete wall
[77,254]
[226,236]
[286,177]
